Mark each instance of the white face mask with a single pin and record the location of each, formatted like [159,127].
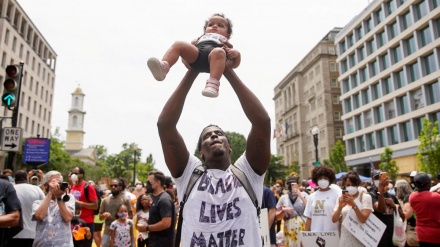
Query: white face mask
[74,177]
[323,183]
[376,183]
[352,190]
[139,186]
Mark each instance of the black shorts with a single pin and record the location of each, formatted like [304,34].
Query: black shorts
[98,227]
[202,62]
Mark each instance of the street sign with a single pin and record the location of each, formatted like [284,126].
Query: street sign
[11,139]
[36,151]
[317,163]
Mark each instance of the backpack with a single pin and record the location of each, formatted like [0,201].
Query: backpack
[99,193]
[197,173]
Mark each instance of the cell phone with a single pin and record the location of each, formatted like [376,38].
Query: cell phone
[63,185]
[344,191]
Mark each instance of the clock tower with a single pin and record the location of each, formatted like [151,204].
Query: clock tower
[75,129]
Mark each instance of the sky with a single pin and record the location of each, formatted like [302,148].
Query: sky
[103,47]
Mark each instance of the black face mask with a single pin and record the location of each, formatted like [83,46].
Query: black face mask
[149,188]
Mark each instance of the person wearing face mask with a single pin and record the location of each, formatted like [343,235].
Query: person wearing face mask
[80,231]
[88,205]
[321,203]
[291,207]
[139,189]
[384,205]
[352,199]
[109,207]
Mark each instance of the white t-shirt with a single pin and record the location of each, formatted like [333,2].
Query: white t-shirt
[319,209]
[219,209]
[217,38]
[27,194]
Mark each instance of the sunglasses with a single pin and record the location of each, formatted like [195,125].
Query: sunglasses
[114,185]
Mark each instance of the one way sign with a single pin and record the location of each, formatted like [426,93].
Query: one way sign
[11,139]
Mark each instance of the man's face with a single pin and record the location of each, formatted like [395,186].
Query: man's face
[154,184]
[115,186]
[77,172]
[214,143]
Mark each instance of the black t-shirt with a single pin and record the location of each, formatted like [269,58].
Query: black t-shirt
[162,206]
[8,202]
[387,218]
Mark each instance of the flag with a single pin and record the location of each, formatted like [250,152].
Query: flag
[287,126]
[372,166]
[281,131]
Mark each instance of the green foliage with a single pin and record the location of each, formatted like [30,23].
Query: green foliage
[387,164]
[429,148]
[293,167]
[275,170]
[337,158]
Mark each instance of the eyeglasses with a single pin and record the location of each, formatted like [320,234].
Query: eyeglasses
[74,173]
[114,185]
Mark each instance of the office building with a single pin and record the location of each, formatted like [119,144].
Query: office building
[308,97]
[21,41]
[388,58]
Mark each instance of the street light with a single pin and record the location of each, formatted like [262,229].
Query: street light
[135,148]
[315,132]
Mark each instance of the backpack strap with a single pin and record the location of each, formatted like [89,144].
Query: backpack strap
[197,173]
[86,191]
[247,186]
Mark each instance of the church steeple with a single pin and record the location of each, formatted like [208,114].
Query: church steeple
[75,128]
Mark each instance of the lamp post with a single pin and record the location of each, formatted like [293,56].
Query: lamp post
[135,148]
[315,132]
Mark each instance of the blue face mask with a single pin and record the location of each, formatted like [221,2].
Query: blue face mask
[10,178]
[121,215]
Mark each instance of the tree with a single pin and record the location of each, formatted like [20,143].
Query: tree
[387,164]
[337,158]
[429,148]
[275,170]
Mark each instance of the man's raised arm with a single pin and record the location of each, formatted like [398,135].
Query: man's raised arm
[258,141]
[174,148]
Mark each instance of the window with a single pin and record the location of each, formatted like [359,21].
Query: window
[375,91]
[394,135]
[378,114]
[342,46]
[366,96]
[421,10]
[418,99]
[403,104]
[332,66]
[414,72]
[371,141]
[356,100]
[410,46]
[331,50]
[359,32]
[393,30]
[334,82]
[387,85]
[406,131]
[384,61]
[363,74]
[338,132]
[371,47]
[390,7]
[358,122]
[379,15]
[429,64]
[350,40]
[343,66]
[406,20]
[352,146]
[399,76]
[373,68]
[368,119]
[337,116]
[354,79]
[434,92]
[380,39]
[352,59]
[361,142]
[425,36]
[14,44]
[396,54]
[361,53]
[391,111]
[369,25]
[6,37]
[335,99]
[381,138]
[348,105]
[350,126]
[346,85]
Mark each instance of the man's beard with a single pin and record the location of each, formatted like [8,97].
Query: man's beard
[115,193]
[218,152]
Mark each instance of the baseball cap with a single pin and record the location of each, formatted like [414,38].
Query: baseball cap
[421,180]
[292,180]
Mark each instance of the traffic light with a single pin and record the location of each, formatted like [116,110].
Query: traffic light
[11,85]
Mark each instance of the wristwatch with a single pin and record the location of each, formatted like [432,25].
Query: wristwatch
[59,199]
[354,207]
